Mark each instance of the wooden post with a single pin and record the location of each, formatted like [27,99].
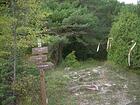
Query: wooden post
[44,100]
[39,58]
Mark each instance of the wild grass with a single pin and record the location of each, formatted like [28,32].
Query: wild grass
[57,82]
[118,68]
[57,91]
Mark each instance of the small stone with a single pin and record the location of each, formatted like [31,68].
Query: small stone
[108,85]
[88,72]
[125,86]
[96,71]
[75,77]
[76,94]
[75,73]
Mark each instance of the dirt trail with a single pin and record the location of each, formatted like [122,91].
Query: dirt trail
[102,86]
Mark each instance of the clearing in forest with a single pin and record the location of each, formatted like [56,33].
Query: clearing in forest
[100,85]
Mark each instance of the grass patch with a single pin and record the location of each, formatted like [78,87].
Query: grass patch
[57,82]
[90,63]
[118,68]
[84,64]
[57,91]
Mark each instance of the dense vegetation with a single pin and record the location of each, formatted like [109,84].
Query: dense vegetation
[83,23]
[125,33]
[71,28]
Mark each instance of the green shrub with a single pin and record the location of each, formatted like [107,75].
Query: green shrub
[71,61]
[125,31]
[27,90]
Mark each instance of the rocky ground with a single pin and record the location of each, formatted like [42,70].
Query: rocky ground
[102,86]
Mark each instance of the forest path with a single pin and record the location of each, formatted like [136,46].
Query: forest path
[102,85]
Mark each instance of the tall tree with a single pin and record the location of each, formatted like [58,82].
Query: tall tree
[27,19]
[71,20]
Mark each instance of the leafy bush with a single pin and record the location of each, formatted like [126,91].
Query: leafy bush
[27,90]
[125,32]
[71,60]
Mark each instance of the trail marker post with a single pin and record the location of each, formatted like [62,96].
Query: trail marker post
[39,58]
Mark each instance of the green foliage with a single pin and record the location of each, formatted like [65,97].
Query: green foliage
[105,10]
[64,25]
[138,7]
[83,23]
[71,60]
[5,31]
[124,31]
[5,60]
[68,18]
[27,90]
[30,19]
[27,20]
[5,82]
